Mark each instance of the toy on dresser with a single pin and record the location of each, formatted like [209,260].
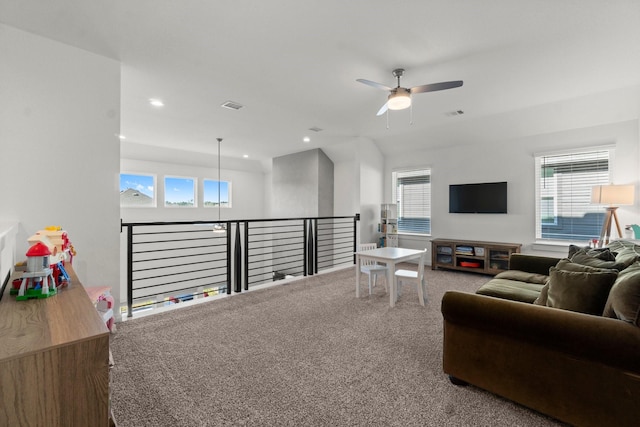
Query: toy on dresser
[44,272]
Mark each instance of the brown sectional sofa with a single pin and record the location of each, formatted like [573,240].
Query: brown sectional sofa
[522,335]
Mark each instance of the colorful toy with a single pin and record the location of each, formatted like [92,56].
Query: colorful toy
[58,242]
[37,281]
[43,271]
[61,249]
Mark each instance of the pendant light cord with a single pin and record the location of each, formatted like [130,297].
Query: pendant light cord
[219,201]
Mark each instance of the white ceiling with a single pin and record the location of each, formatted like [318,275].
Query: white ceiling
[294,65]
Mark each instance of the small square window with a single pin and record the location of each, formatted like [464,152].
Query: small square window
[211,193]
[137,190]
[179,192]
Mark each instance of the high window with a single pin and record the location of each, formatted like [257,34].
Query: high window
[412,192]
[137,190]
[563,193]
[211,193]
[179,192]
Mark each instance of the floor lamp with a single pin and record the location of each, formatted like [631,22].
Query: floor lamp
[614,196]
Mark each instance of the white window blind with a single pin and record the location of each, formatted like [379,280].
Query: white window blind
[563,194]
[413,195]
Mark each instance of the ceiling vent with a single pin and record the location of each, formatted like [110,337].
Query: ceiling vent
[232,105]
[315,129]
[455,113]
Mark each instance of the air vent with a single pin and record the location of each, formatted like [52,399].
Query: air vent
[315,129]
[232,105]
[454,113]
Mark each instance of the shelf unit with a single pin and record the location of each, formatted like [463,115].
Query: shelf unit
[472,255]
[388,225]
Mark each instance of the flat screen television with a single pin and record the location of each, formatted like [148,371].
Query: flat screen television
[487,198]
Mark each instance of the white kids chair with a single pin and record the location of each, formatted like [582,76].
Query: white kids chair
[416,277]
[370,267]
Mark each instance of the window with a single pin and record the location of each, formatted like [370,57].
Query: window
[179,191]
[412,192]
[211,193]
[563,194]
[137,190]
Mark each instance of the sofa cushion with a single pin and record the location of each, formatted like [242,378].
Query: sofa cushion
[624,298]
[523,276]
[514,290]
[581,291]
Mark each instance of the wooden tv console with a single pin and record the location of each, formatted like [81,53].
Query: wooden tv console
[54,360]
[472,255]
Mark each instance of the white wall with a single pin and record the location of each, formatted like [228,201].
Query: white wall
[371,167]
[302,185]
[347,188]
[513,161]
[359,185]
[59,120]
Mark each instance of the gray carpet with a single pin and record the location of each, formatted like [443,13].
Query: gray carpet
[307,353]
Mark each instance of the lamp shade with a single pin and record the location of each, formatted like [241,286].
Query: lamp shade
[612,195]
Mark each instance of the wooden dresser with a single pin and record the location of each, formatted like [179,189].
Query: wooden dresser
[54,360]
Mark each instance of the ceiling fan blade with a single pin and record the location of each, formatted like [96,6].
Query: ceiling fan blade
[374,84]
[382,109]
[436,86]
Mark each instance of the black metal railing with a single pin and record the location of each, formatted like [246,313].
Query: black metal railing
[169,262]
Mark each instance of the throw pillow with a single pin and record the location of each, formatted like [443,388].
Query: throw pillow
[567,265]
[604,254]
[574,248]
[544,294]
[584,292]
[624,298]
[581,257]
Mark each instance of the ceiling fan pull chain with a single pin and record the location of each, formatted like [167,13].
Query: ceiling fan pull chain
[411,114]
[387,119]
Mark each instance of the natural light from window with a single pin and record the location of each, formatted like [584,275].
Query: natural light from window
[563,194]
[412,192]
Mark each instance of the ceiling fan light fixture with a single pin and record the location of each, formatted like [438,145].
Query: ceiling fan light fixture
[399,99]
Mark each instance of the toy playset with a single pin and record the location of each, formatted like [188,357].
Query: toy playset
[43,271]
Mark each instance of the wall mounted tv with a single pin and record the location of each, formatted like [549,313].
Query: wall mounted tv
[487,197]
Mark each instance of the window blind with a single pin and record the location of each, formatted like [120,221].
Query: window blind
[563,194]
[413,197]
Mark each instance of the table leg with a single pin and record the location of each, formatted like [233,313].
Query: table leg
[391,280]
[357,276]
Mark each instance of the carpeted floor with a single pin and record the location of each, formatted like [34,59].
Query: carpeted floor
[306,353]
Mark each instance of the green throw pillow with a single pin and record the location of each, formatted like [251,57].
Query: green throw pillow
[582,257]
[581,291]
[624,298]
[566,265]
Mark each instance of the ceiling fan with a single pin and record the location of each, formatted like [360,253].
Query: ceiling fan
[400,97]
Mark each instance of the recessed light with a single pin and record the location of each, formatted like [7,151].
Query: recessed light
[156,102]
[122,137]
[246,156]
[306,139]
